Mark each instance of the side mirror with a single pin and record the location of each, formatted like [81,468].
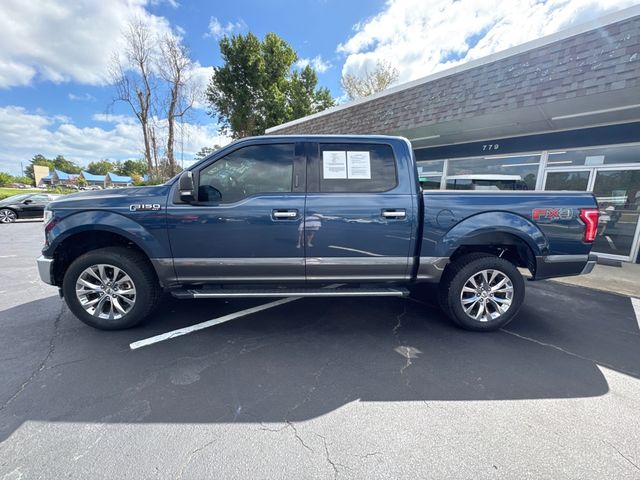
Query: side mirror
[186,185]
[28,201]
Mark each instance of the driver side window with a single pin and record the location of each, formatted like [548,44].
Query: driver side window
[248,171]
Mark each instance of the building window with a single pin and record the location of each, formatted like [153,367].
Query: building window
[571,181]
[595,156]
[513,172]
[618,196]
[430,174]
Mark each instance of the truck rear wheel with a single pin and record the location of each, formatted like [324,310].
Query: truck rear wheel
[110,288]
[481,292]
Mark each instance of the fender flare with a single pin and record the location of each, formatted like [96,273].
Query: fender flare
[99,220]
[498,222]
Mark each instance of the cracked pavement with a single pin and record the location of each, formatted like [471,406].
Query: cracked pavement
[317,388]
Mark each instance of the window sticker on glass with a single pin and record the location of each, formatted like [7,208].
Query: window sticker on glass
[334,164]
[359,165]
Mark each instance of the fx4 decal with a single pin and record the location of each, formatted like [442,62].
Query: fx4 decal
[551,214]
[139,207]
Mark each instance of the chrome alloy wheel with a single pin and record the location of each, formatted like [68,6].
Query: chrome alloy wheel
[486,295]
[105,291]
[7,216]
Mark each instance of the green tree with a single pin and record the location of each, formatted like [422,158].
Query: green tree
[38,160]
[5,179]
[304,98]
[133,168]
[58,163]
[64,165]
[101,167]
[206,151]
[257,87]
[23,179]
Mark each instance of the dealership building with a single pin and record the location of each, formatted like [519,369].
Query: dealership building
[558,113]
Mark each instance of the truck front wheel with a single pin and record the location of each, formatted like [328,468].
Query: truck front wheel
[481,292]
[110,288]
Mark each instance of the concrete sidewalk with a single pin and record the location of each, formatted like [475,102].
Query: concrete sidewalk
[624,280]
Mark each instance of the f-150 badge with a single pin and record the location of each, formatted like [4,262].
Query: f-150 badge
[551,214]
[138,207]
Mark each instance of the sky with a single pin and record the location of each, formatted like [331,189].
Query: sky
[55,98]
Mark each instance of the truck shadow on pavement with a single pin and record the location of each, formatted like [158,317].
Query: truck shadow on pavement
[312,356]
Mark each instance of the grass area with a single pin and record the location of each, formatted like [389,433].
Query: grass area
[8,192]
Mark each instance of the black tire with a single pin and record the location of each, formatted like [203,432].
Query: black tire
[8,215]
[135,265]
[456,276]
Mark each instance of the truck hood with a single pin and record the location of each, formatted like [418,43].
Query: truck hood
[111,197]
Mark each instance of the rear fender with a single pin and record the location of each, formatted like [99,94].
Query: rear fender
[494,223]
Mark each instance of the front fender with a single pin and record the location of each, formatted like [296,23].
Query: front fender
[99,220]
[489,223]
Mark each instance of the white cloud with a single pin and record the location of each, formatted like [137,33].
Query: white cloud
[171,3]
[318,64]
[422,37]
[64,41]
[83,97]
[24,134]
[199,78]
[217,29]
[113,118]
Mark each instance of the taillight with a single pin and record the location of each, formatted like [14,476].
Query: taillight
[590,218]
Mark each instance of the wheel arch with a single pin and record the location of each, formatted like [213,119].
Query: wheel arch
[503,234]
[82,241]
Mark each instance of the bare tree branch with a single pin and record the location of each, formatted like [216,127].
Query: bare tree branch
[175,67]
[368,83]
[131,75]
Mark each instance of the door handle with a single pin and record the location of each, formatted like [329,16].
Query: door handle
[397,213]
[285,214]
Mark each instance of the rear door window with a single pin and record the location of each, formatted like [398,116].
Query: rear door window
[356,168]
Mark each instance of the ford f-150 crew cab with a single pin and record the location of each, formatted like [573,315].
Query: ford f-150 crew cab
[279,216]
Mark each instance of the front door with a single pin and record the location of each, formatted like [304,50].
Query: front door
[33,207]
[360,214]
[246,223]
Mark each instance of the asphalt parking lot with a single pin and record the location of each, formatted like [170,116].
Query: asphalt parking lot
[333,388]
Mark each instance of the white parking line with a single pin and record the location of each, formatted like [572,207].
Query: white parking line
[636,308]
[209,323]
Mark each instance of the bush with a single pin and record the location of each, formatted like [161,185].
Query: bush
[61,189]
[5,179]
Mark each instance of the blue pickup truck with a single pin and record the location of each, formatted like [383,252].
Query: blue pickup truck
[316,216]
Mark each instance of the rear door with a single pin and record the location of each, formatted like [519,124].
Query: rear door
[360,214]
[245,226]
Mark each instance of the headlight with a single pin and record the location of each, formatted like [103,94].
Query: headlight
[48,216]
